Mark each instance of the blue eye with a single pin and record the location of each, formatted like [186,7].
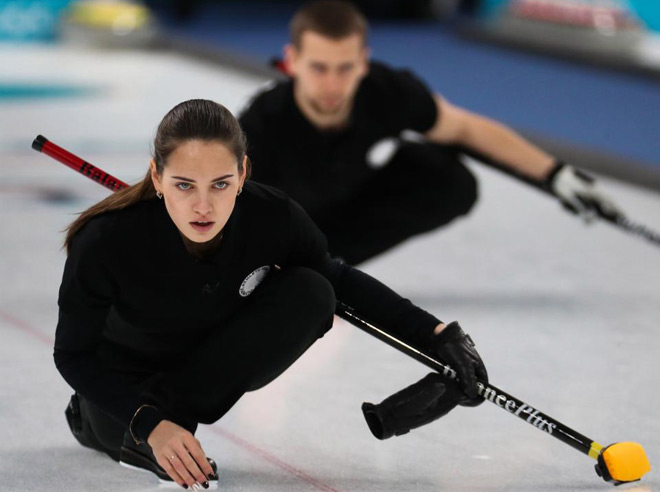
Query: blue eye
[220,185]
[183,186]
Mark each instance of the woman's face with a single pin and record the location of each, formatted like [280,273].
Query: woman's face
[199,184]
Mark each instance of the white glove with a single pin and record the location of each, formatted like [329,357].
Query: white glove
[579,193]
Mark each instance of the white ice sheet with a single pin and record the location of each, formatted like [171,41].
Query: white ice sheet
[565,316]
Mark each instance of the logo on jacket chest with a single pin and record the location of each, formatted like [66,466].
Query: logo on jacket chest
[253,280]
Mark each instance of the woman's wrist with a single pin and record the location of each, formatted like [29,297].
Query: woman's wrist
[144,421]
[439,328]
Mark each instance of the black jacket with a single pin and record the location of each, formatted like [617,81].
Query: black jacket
[132,297]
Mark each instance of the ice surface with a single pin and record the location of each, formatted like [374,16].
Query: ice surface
[565,316]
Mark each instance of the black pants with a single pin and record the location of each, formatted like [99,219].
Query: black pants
[423,187]
[290,310]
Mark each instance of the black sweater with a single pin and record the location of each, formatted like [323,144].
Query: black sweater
[132,297]
[323,169]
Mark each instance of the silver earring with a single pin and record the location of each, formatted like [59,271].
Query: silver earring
[240,190]
[159,195]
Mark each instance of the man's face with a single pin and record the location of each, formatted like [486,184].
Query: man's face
[327,71]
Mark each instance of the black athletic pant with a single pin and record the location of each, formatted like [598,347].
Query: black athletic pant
[290,310]
[423,187]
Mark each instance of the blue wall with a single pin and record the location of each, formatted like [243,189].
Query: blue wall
[612,112]
[29,20]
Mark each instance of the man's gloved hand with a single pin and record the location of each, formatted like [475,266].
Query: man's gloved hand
[418,404]
[456,348]
[579,193]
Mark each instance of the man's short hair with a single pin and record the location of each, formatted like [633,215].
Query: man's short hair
[335,19]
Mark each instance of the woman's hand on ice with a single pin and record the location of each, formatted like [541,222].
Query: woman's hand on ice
[180,454]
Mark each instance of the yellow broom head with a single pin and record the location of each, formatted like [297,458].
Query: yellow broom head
[623,462]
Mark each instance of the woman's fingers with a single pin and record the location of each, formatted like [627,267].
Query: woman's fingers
[169,469]
[197,452]
[191,465]
[179,464]
[180,454]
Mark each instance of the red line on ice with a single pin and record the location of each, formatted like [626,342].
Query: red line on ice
[22,325]
[271,458]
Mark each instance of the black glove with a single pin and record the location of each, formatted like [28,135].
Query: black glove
[418,404]
[456,348]
[579,193]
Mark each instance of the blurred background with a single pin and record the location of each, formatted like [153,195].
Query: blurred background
[565,315]
[580,77]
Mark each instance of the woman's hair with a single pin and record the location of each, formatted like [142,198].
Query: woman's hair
[334,19]
[196,119]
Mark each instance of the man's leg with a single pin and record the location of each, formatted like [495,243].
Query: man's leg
[425,186]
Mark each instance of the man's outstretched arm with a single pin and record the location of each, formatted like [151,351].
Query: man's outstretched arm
[456,125]
[577,191]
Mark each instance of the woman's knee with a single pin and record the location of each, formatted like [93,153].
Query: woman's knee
[308,301]
[307,293]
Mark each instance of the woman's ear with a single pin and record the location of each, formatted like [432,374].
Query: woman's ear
[155,177]
[241,181]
